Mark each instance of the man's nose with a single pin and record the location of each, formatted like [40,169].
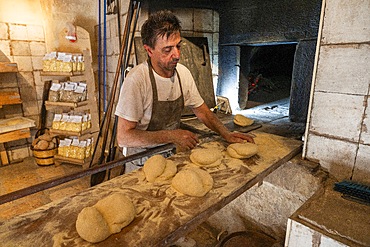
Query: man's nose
[176,53]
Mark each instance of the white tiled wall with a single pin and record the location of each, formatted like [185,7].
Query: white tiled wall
[338,134]
[337,115]
[344,69]
[299,235]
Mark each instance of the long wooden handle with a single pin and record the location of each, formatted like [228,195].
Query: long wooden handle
[104,128]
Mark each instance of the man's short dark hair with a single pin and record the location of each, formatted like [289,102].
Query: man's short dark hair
[160,24]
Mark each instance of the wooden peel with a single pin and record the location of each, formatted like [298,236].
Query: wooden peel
[104,129]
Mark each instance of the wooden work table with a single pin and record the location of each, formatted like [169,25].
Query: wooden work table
[163,215]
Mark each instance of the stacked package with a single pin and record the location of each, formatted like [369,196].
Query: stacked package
[75,148]
[68,92]
[75,122]
[63,62]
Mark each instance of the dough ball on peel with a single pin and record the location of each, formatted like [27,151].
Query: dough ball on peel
[117,210]
[193,182]
[206,157]
[154,167]
[242,150]
[91,225]
[242,120]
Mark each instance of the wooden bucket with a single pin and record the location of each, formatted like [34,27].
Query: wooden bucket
[45,157]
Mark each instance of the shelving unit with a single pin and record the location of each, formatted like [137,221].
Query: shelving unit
[90,105]
[8,67]
[16,128]
[9,98]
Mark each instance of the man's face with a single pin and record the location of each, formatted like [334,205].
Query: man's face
[166,54]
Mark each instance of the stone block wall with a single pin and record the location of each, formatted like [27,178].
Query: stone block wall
[25,45]
[338,136]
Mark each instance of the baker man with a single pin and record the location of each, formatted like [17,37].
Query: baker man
[155,92]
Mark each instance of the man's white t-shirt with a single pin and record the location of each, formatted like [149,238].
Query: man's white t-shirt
[136,96]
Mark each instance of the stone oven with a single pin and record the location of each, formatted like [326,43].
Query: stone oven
[250,29]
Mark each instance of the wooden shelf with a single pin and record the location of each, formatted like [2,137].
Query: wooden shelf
[90,105]
[70,133]
[15,128]
[8,67]
[9,98]
[56,73]
[15,123]
[11,136]
[66,104]
[61,159]
[15,135]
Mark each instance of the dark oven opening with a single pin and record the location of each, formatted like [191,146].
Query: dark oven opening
[265,73]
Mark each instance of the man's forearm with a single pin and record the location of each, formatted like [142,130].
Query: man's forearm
[214,123]
[143,138]
[211,120]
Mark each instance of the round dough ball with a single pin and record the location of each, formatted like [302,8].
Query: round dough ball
[41,145]
[117,210]
[51,145]
[91,225]
[46,137]
[242,150]
[193,182]
[242,120]
[206,157]
[154,167]
[169,171]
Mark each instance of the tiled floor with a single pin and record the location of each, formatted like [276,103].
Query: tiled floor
[274,119]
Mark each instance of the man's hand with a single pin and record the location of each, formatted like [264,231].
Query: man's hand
[184,139]
[234,137]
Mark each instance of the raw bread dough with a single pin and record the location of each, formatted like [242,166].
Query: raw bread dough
[242,150]
[169,171]
[209,157]
[242,120]
[159,168]
[107,216]
[117,210]
[154,167]
[193,181]
[213,144]
[91,225]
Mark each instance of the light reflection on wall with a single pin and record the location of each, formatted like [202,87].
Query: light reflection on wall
[21,12]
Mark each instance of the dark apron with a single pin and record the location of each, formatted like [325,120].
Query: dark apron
[165,114]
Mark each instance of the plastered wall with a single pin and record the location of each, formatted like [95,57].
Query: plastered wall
[338,135]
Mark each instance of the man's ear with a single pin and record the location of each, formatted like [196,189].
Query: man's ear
[149,50]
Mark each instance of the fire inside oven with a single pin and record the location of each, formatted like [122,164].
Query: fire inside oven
[266,72]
